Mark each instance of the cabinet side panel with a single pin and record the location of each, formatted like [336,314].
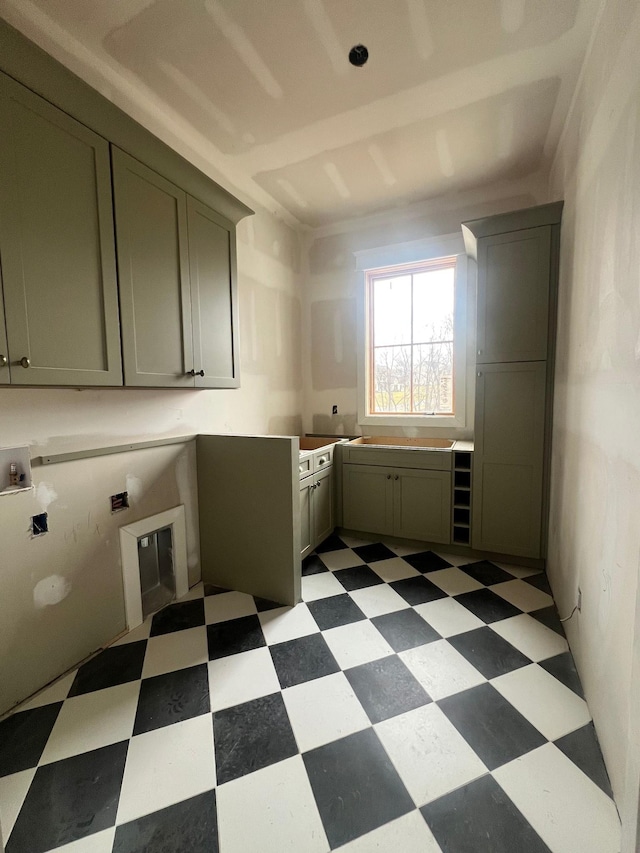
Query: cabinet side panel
[248,494]
[57,245]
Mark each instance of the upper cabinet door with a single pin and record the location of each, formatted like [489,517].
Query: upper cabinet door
[155,304]
[214,304]
[4,352]
[57,246]
[513,296]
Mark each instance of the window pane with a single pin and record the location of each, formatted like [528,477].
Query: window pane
[392,379]
[433,378]
[433,306]
[392,311]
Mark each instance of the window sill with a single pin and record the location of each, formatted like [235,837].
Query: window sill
[417,421]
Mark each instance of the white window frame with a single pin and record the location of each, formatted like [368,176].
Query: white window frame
[405,253]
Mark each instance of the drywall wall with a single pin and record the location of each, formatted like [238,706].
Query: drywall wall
[76,566]
[595,501]
[331,315]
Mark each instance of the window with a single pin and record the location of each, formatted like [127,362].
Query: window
[412,348]
[410,311]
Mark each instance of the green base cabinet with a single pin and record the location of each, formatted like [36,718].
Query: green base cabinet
[316,510]
[367,499]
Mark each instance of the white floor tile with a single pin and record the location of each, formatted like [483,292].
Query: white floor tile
[356,541]
[552,708]
[99,842]
[393,569]
[428,752]
[523,595]
[409,833]
[343,559]
[140,633]
[93,720]
[272,810]
[228,605]
[453,581]
[166,766]
[448,617]
[378,600]
[357,643]
[239,678]
[531,637]
[404,550]
[287,623]
[321,585]
[177,650]
[516,571]
[567,810]
[324,710]
[441,670]
[56,692]
[13,790]
[196,591]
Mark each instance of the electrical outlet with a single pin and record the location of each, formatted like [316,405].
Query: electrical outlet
[579,602]
[39,524]
[334,410]
[119,501]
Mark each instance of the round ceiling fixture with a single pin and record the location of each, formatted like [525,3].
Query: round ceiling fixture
[358,55]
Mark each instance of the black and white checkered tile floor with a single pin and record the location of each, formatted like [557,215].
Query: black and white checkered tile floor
[412,702]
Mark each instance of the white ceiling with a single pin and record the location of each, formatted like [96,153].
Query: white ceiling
[457,94]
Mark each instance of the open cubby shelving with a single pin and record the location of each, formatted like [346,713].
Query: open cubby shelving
[461,509]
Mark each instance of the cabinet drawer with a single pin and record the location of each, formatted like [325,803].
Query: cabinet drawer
[305,466]
[432,460]
[322,458]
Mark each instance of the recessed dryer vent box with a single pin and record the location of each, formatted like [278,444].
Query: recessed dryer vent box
[15,470]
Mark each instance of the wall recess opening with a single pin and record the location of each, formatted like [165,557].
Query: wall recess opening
[154,563]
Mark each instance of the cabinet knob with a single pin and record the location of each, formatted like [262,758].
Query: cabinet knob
[318,485]
[388,476]
[199,372]
[479,373]
[195,373]
[479,352]
[322,460]
[25,362]
[3,360]
[190,373]
[396,477]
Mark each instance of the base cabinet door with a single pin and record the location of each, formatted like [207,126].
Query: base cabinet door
[4,351]
[422,505]
[322,506]
[367,498]
[508,458]
[306,517]
[57,246]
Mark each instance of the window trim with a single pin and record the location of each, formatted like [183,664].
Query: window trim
[393,256]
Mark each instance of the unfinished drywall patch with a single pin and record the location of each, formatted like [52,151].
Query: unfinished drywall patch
[50,591]
[133,485]
[45,495]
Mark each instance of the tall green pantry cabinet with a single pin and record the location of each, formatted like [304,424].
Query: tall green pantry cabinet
[517,259]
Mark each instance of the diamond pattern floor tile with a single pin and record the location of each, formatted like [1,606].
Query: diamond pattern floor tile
[415,700]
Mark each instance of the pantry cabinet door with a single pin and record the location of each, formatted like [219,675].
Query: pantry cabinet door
[57,245]
[155,303]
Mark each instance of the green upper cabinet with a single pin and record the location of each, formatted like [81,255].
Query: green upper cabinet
[513,296]
[56,246]
[214,309]
[153,267]
[176,261]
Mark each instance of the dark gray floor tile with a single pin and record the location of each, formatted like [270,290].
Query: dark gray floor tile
[178,617]
[583,749]
[489,653]
[331,543]
[357,577]
[549,616]
[386,688]
[335,611]
[480,818]
[427,561]
[190,826]
[263,604]
[490,724]
[486,572]
[540,581]
[313,565]
[372,553]
[405,629]
[356,787]
[417,590]
[210,589]
[23,737]
[564,669]
[234,636]
[172,698]
[251,736]
[69,800]
[488,606]
[302,660]
[116,665]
